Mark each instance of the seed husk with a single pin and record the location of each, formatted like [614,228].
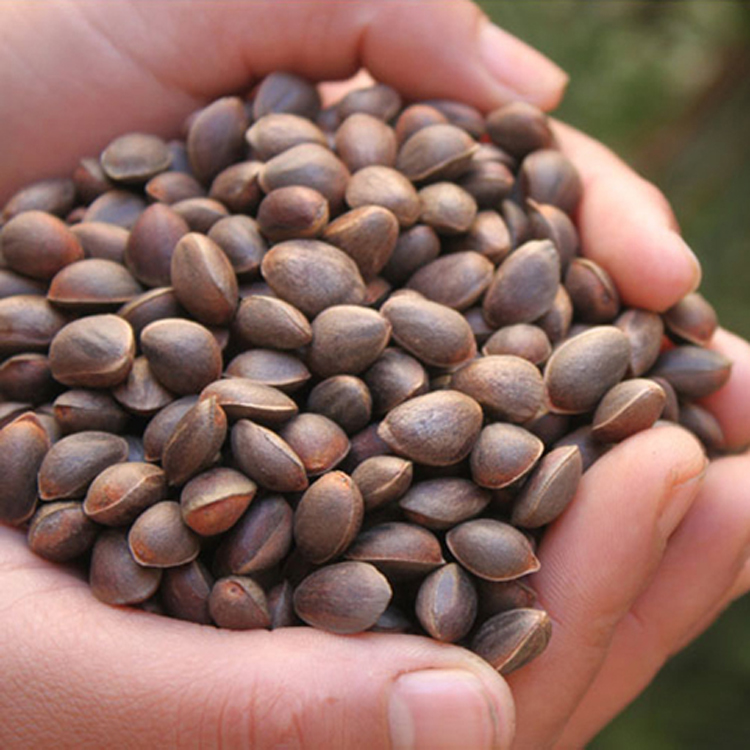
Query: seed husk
[27,377]
[184,592]
[28,323]
[523,340]
[590,448]
[394,378]
[552,223]
[238,603]
[447,208]
[93,284]
[502,454]
[162,425]
[171,187]
[519,128]
[382,480]
[378,100]
[446,603]
[119,207]
[237,188]
[501,596]
[414,118]
[627,408]
[693,372]
[442,503]
[344,399]
[547,176]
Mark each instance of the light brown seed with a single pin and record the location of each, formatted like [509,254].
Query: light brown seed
[447,208]
[692,319]
[159,538]
[156,304]
[238,603]
[170,187]
[184,592]
[344,399]
[269,322]
[292,212]
[61,532]
[386,187]
[93,284]
[442,503]
[363,140]
[319,442]
[436,152]
[446,603]
[135,158]
[281,370]
[488,235]
[502,454]
[692,371]
[627,408]
[414,118]
[200,214]
[279,131]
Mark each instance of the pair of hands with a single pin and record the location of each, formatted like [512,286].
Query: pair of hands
[653,548]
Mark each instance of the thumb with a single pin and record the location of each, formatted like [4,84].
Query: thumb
[80,673]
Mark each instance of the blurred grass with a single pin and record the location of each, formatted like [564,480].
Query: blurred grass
[667,86]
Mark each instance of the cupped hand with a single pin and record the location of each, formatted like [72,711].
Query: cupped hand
[652,549]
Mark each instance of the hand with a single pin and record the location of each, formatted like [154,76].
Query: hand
[620,575]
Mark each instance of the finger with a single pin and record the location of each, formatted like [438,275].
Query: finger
[105,68]
[627,226]
[88,675]
[596,560]
[701,565]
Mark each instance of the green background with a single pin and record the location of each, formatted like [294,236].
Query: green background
[667,86]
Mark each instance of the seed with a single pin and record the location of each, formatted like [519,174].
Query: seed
[461,115]
[547,176]
[519,128]
[344,399]
[692,319]
[557,320]
[489,182]
[293,212]
[364,445]
[162,425]
[55,196]
[241,241]
[27,377]
[592,291]
[436,152]
[184,592]
[12,284]
[28,323]
[60,532]
[382,479]
[238,603]
[414,118]
[378,100]
[551,223]
[200,214]
[644,330]
[119,207]
[242,398]
[281,370]
[135,158]
[447,603]
[281,606]
[590,448]
[442,503]
[237,188]
[704,425]
[521,340]
[286,92]
[447,208]
[320,443]
[394,378]
[415,248]
[693,372]
[502,454]
[386,187]
[501,596]
[159,538]
[363,140]
[279,131]
[93,284]
[627,408]
[171,187]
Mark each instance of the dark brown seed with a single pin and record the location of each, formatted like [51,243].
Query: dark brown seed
[242,243]
[184,592]
[26,377]
[293,212]
[28,323]
[149,307]
[23,446]
[627,408]
[363,140]
[319,442]
[216,137]
[61,532]
[159,538]
[93,284]
[644,330]
[328,517]
[115,577]
[266,458]
[584,368]
[488,235]
[511,639]
[238,603]
[367,234]
[524,286]
[399,550]
[442,503]
[160,428]
[93,352]
[489,182]
[242,398]
[99,240]
[171,187]
[393,621]
[590,448]
[281,370]
[141,393]
[433,333]
[10,410]
[704,425]
[378,100]
[78,410]
[550,488]
[592,292]
[182,354]
[671,410]
[54,196]
[447,208]
[492,550]
[519,128]
[280,131]
[517,221]
[195,441]
[437,429]
[550,222]
[547,176]
[394,378]
[446,603]
[414,118]
[12,283]
[364,445]
[237,188]
[692,319]
[344,399]
[38,245]
[503,454]
[213,501]
[269,322]
[281,606]
[260,540]
[204,280]
[73,462]
[520,340]
[386,187]
[692,371]
[415,248]
[135,158]
[286,92]
[121,492]
[382,479]
[436,152]
[502,596]
[118,207]
[89,181]
[507,387]
[347,597]
[557,320]
[461,115]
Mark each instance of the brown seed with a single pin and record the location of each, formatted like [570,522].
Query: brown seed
[584,368]
[437,429]
[195,441]
[447,208]
[446,603]
[394,378]
[590,448]
[268,367]
[692,371]
[492,550]
[237,188]
[119,207]
[159,538]
[382,479]
[28,323]
[93,352]
[260,540]
[378,100]
[27,377]
[461,115]
[488,235]
[23,446]
[511,639]
[10,410]
[12,284]
[73,462]
[293,212]
[279,131]
[644,330]
[433,333]
[171,187]
[671,410]
[160,428]
[184,592]
[286,92]
[592,292]
[281,606]
[347,597]
[506,386]
[364,445]
[267,458]
[393,621]
[414,118]
[557,320]
[120,493]
[182,354]
[156,304]
[344,399]
[242,398]
[704,425]
[141,393]
[115,577]
[200,214]
[503,454]
[241,241]
[269,322]
[457,280]
[61,532]
[93,284]
[520,128]
[238,603]
[524,286]
[550,488]
[152,240]
[78,410]
[135,158]
[386,187]
[216,137]
[363,140]
[692,319]
[550,222]
[54,196]
[368,235]
[399,550]
[204,280]
[489,182]
[90,181]
[442,503]
[547,176]
[502,596]
[520,340]
[436,152]
[99,240]
[213,501]
[319,442]
[328,517]
[627,408]
[38,245]
[415,248]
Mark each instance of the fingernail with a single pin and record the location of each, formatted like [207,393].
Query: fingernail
[441,709]
[679,498]
[520,68]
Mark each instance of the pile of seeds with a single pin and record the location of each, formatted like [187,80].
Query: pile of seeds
[328,366]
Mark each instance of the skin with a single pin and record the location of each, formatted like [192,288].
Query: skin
[620,575]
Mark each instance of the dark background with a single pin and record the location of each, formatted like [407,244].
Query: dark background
[667,86]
